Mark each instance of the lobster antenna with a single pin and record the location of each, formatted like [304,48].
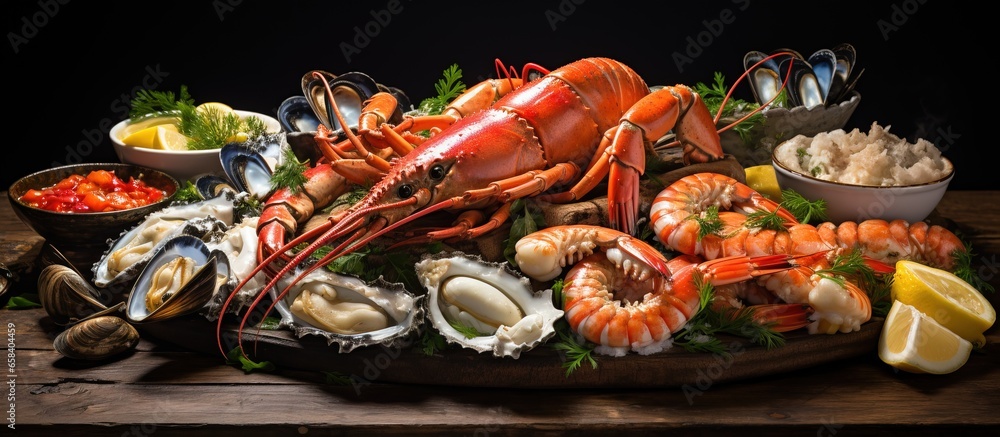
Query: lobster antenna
[718,115]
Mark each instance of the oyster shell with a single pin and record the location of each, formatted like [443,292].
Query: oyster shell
[239,245]
[128,255]
[490,298]
[347,311]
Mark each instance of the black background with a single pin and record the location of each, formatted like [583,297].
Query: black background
[69,67]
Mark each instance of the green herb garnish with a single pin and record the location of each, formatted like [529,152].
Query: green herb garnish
[188,193]
[465,330]
[290,173]
[206,128]
[713,97]
[432,342]
[575,352]
[963,269]
[447,89]
[21,303]
[699,334]
[803,209]
[235,357]
[336,378]
[527,218]
[708,222]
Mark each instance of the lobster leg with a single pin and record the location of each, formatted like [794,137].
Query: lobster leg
[623,157]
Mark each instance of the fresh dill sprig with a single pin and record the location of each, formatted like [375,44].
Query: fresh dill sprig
[708,222]
[212,128]
[447,89]
[575,352]
[206,128]
[849,265]
[699,334]
[465,330]
[290,173]
[713,96]
[765,220]
[963,269]
[151,103]
[803,209]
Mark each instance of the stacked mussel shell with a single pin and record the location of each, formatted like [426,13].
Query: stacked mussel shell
[825,77]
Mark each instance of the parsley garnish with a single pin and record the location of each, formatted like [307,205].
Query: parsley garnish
[447,89]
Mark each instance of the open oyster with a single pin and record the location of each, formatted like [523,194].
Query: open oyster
[121,264]
[348,311]
[467,294]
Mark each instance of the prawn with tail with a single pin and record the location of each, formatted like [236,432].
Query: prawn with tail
[839,306]
[624,295]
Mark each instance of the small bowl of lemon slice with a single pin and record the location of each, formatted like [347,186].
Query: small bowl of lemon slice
[157,142]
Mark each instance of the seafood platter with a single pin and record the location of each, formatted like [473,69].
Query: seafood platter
[482,238]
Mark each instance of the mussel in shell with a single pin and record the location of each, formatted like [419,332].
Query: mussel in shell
[182,277]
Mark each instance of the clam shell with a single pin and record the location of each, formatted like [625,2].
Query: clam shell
[66,296]
[96,338]
[500,289]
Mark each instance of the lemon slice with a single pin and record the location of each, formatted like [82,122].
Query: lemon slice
[132,128]
[945,297]
[221,107]
[169,139]
[916,343]
[762,179]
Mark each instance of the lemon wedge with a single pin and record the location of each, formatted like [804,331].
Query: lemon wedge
[762,179]
[914,342]
[146,137]
[132,128]
[169,139]
[946,298]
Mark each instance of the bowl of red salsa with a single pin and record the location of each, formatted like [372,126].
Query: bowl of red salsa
[84,205]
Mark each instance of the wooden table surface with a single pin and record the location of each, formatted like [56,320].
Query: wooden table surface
[162,389]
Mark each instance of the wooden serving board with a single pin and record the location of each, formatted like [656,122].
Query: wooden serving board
[538,368]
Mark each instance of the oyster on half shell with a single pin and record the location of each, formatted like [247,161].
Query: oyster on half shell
[121,264]
[348,311]
[489,298]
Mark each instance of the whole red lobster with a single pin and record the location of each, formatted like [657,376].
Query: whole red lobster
[575,126]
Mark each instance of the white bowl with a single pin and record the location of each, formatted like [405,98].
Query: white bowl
[857,203]
[182,165]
